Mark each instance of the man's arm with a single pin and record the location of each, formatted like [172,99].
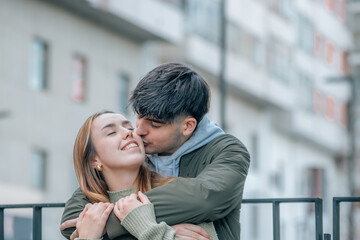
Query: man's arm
[212,195]
[73,207]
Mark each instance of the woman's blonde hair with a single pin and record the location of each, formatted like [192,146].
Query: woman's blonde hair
[91,181]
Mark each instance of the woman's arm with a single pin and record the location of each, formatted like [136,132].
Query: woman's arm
[138,217]
[91,222]
[73,208]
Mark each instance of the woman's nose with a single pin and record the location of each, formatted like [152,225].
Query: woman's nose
[127,133]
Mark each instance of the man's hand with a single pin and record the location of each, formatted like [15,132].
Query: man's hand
[68,224]
[187,231]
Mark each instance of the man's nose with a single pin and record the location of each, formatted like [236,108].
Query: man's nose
[140,128]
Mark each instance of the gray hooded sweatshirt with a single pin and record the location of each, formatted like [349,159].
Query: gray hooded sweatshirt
[168,166]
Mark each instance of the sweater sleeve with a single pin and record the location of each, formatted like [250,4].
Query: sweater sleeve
[141,223]
[211,195]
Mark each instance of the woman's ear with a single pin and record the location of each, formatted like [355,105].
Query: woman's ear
[189,125]
[95,161]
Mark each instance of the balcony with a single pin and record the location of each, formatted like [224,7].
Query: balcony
[134,19]
[318,130]
[244,78]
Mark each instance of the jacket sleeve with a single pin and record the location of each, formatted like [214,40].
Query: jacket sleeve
[212,195]
[76,204]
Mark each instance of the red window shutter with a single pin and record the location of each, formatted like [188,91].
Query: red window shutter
[343,9]
[330,107]
[344,66]
[318,102]
[329,52]
[330,4]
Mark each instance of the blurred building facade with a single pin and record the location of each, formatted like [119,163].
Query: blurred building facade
[354,76]
[62,60]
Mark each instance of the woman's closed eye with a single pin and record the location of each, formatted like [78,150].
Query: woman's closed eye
[111,133]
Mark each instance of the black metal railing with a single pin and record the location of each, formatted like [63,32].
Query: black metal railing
[276,212]
[336,213]
[37,214]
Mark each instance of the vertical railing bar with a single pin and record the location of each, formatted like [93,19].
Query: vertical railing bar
[276,220]
[336,219]
[2,222]
[319,219]
[37,223]
[327,236]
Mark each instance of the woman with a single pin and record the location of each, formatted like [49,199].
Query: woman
[110,166]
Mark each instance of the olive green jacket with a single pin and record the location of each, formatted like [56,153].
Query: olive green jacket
[213,191]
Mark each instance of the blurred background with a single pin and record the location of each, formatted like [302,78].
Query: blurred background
[284,76]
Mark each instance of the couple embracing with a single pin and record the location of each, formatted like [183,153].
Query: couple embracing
[177,176]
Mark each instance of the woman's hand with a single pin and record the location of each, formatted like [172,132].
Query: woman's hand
[92,220]
[125,205]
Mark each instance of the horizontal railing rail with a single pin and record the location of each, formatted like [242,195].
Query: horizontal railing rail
[37,214]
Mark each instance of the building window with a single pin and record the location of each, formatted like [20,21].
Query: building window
[279,60]
[78,89]
[246,45]
[305,34]
[200,15]
[124,85]
[318,102]
[329,53]
[330,108]
[305,86]
[318,46]
[38,65]
[281,7]
[38,169]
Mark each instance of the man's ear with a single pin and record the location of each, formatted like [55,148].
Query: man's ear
[188,126]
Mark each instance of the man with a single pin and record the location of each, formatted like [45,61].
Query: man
[171,102]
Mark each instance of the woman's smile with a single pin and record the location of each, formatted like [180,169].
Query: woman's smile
[130,145]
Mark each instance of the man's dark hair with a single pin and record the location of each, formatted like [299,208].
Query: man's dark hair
[171,90]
